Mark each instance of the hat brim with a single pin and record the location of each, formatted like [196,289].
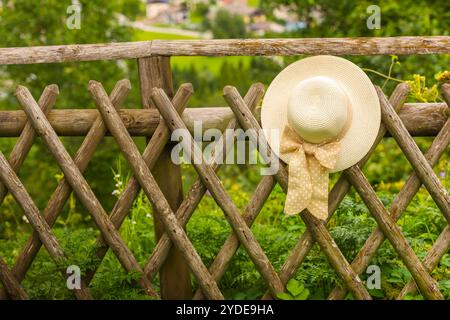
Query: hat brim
[366,114]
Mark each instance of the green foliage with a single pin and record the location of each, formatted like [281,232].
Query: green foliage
[443,76]
[23,23]
[37,23]
[208,229]
[295,291]
[347,18]
[227,25]
[420,91]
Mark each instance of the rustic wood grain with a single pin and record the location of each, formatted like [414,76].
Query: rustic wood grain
[412,152]
[421,119]
[81,187]
[215,187]
[198,189]
[16,188]
[10,283]
[336,195]
[431,260]
[428,286]
[27,135]
[132,188]
[227,47]
[174,276]
[222,260]
[398,206]
[316,227]
[442,243]
[151,189]
[63,190]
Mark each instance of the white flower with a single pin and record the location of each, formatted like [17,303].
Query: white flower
[25,219]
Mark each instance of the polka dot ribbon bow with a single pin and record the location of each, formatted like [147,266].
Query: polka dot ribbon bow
[309,167]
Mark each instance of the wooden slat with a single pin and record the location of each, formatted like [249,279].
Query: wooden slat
[19,153]
[17,156]
[63,190]
[81,187]
[421,119]
[10,283]
[215,187]
[27,135]
[398,206]
[317,228]
[431,260]
[227,47]
[132,188]
[197,190]
[428,286]
[229,248]
[442,244]
[174,276]
[220,263]
[337,194]
[151,189]
[37,221]
[412,152]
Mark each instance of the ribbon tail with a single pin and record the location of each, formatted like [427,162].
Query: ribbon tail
[299,185]
[318,205]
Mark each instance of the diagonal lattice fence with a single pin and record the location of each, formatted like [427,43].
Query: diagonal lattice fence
[173,219]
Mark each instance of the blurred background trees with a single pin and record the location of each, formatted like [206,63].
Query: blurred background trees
[43,22]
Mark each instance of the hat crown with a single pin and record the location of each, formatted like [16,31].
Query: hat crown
[318,109]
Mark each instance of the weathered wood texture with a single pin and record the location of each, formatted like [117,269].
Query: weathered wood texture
[336,195]
[81,187]
[198,189]
[215,187]
[174,276]
[15,186]
[412,152]
[151,153]
[168,202]
[63,190]
[421,119]
[152,190]
[316,227]
[12,286]
[398,206]
[428,286]
[27,135]
[227,47]
[442,243]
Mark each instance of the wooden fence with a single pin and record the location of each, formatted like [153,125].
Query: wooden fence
[174,256]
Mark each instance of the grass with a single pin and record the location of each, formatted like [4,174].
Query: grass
[277,233]
[140,35]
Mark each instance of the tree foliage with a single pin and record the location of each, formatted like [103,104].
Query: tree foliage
[227,25]
[37,23]
[348,18]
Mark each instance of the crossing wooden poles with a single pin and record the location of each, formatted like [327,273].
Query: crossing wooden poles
[81,187]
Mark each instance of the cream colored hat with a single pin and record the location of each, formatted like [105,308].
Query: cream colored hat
[328,114]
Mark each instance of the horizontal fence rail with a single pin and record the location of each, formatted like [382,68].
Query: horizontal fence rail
[421,119]
[227,47]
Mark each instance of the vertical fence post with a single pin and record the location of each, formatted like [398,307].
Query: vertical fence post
[175,278]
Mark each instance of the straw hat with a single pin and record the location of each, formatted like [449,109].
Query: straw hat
[327,108]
